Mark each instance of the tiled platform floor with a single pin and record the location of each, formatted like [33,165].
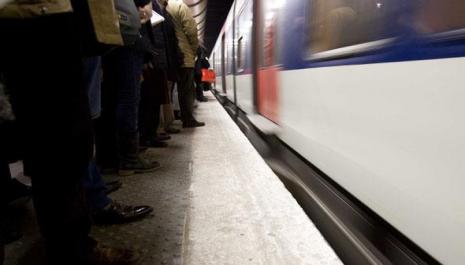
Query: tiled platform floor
[159,237]
[216,202]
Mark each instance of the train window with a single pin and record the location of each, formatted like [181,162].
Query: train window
[337,24]
[435,16]
[214,61]
[240,54]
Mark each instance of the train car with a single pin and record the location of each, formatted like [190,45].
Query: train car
[370,92]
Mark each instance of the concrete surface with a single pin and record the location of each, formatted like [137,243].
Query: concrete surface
[240,212]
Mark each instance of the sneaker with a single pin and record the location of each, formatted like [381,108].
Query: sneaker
[137,167]
[117,213]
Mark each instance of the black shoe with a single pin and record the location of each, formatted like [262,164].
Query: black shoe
[136,167]
[203,99]
[193,124]
[154,143]
[163,137]
[116,213]
[113,186]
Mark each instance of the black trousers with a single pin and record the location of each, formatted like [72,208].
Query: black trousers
[152,97]
[186,93]
[41,62]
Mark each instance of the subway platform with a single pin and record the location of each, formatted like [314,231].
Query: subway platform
[215,202]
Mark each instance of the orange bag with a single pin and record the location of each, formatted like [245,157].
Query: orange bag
[208,76]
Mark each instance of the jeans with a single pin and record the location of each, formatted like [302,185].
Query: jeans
[121,97]
[92,75]
[95,187]
[41,62]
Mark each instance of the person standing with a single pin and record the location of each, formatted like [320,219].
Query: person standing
[118,130]
[200,63]
[41,61]
[186,33]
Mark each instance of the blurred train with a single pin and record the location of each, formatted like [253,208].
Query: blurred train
[370,92]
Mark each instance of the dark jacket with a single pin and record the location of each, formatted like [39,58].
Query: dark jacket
[161,61]
[200,63]
[174,58]
[146,44]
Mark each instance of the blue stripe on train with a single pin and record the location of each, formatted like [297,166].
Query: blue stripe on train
[293,41]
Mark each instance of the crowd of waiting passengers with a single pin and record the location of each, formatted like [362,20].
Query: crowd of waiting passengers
[82,97]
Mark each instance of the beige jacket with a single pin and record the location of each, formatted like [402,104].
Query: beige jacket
[103,14]
[186,30]
[34,8]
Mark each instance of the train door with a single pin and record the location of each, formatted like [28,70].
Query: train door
[223,63]
[267,83]
[229,56]
[215,68]
[243,55]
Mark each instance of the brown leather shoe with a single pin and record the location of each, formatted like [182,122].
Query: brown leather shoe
[104,255]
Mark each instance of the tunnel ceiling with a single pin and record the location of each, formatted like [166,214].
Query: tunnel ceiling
[210,16]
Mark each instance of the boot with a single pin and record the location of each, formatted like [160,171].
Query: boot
[131,162]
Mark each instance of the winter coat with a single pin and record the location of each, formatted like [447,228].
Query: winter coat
[97,17]
[174,55]
[186,30]
[28,8]
[6,113]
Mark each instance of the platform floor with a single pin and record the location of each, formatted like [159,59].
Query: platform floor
[216,202]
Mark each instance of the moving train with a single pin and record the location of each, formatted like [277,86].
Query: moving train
[371,93]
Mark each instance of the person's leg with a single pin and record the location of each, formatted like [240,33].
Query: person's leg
[153,90]
[148,104]
[53,116]
[126,80]
[168,110]
[199,90]
[105,127]
[185,93]
[104,209]
[186,98]
[95,188]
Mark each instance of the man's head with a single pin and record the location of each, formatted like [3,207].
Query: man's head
[145,10]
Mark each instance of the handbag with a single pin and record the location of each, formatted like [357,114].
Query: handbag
[208,76]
